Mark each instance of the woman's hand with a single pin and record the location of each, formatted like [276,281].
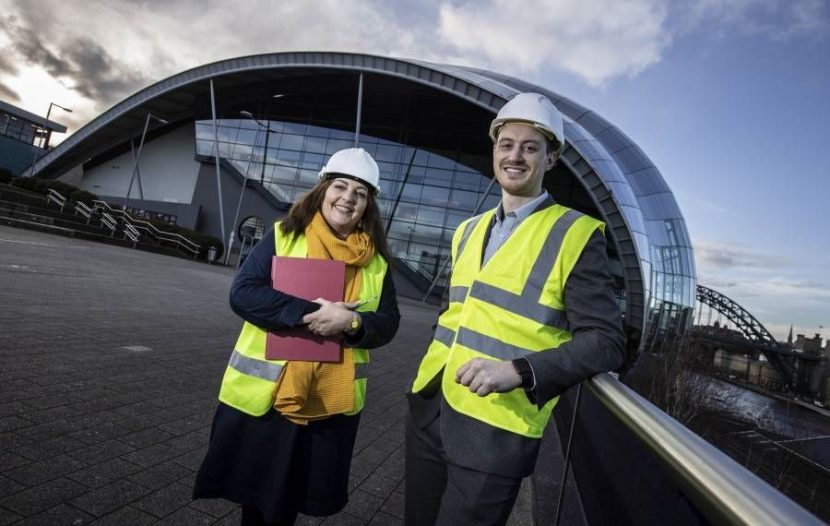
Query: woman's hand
[332,318]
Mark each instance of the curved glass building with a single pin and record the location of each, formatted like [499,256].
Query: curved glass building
[271,121]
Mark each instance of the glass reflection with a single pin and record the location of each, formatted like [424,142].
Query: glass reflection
[426,194]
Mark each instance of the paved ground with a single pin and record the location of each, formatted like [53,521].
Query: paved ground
[110,361]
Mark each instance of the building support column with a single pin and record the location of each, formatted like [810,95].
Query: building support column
[216,160]
[359,110]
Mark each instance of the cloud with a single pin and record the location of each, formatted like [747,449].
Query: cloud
[29,46]
[98,76]
[592,39]
[104,50]
[81,64]
[716,257]
[777,290]
[8,93]
[6,66]
[743,272]
[777,19]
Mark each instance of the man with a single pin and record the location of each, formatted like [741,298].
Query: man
[531,313]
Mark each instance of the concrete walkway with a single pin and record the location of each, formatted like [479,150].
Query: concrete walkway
[110,362]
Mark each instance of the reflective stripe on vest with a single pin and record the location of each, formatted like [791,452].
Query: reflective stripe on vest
[444,335]
[265,369]
[511,307]
[468,230]
[527,303]
[250,379]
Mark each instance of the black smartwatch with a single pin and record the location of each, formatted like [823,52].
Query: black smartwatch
[522,367]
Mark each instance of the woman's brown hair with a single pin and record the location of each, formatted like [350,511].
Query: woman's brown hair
[304,208]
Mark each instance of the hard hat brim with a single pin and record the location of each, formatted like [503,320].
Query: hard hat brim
[325,176]
[551,137]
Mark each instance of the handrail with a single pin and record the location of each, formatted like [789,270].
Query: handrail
[84,210]
[726,491]
[131,232]
[181,241]
[109,222]
[54,195]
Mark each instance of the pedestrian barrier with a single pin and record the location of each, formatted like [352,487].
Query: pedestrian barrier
[84,210]
[53,196]
[137,226]
[718,488]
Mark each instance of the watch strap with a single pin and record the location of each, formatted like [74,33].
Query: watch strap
[524,370]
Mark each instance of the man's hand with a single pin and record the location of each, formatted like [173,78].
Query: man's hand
[484,376]
[330,319]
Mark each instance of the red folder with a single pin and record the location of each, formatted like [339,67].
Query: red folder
[308,279]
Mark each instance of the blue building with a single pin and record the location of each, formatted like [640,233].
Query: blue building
[20,132]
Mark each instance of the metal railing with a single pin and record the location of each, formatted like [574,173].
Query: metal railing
[724,491]
[109,222]
[84,210]
[53,196]
[138,225]
[131,232]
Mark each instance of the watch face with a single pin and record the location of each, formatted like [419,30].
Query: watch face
[355,322]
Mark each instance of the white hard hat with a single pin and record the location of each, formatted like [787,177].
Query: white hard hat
[533,109]
[354,162]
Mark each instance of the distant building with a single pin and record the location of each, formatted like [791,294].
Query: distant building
[22,135]
[808,345]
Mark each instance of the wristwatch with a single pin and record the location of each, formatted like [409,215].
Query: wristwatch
[522,366]
[354,325]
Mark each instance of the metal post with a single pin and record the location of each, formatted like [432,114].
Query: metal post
[266,128]
[138,171]
[46,139]
[232,233]
[135,162]
[447,262]
[400,192]
[216,159]
[359,110]
[138,157]
[264,150]
[241,251]
[567,457]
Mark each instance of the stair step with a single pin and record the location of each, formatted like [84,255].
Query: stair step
[49,217]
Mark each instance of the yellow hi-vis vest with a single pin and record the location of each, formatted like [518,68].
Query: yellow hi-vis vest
[512,307]
[250,380]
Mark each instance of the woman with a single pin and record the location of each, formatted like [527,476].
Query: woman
[283,434]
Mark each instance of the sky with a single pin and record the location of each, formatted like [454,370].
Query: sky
[729,98]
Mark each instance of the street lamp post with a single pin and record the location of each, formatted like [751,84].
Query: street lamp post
[37,150]
[138,155]
[267,129]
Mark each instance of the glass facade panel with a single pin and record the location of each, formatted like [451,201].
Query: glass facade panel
[592,122]
[428,202]
[613,140]
[431,215]
[291,142]
[591,150]
[622,193]
[468,181]
[464,200]
[631,159]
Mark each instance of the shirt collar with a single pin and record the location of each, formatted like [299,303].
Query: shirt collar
[525,210]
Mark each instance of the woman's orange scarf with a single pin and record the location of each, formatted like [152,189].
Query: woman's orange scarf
[307,391]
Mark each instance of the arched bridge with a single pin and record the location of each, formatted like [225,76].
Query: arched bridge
[757,337]
[743,320]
